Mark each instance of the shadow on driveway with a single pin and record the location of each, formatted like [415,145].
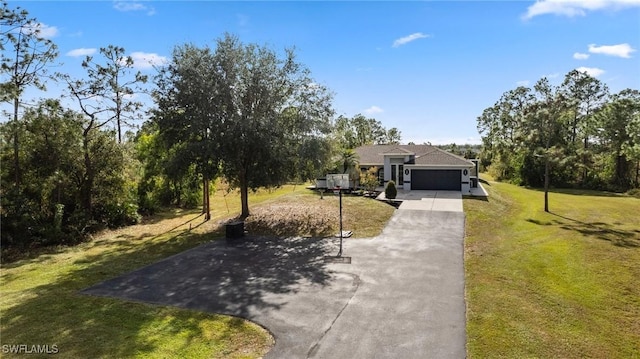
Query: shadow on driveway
[281,284]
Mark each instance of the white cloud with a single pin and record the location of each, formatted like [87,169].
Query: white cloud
[373,110]
[81,52]
[580,56]
[591,71]
[620,50]
[404,40]
[144,60]
[571,8]
[553,75]
[522,83]
[126,6]
[42,30]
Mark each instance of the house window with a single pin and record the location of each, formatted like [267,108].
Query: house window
[381,176]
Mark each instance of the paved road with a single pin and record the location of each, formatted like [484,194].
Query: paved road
[401,297]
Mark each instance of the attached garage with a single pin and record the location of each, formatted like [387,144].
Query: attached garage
[432,179]
[418,167]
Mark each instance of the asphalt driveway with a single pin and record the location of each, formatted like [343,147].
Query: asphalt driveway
[402,296]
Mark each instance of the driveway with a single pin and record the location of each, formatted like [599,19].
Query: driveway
[402,296]
[447,201]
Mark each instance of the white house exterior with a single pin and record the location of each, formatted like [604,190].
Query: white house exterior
[419,167]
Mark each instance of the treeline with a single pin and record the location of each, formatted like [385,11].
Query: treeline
[239,113]
[585,136]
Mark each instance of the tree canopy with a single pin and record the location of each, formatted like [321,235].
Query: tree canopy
[244,111]
[350,133]
[588,136]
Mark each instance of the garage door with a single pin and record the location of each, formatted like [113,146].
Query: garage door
[448,180]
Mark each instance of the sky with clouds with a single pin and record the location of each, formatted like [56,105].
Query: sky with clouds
[427,68]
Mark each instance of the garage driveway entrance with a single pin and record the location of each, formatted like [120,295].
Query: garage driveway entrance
[446,201]
[402,296]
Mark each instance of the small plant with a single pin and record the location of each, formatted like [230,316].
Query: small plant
[391,191]
[634,192]
[369,179]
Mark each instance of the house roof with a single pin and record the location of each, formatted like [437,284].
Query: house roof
[399,151]
[424,155]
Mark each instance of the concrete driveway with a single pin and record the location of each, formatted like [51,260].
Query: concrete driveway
[401,297]
[447,201]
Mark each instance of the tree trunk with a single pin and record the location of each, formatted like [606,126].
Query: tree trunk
[208,214]
[16,104]
[622,171]
[585,170]
[16,145]
[244,196]
[206,209]
[119,131]
[177,190]
[546,184]
[87,181]
[204,194]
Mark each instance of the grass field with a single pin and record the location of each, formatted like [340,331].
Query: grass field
[40,303]
[552,285]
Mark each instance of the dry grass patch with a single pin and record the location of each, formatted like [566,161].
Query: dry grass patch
[306,214]
[293,218]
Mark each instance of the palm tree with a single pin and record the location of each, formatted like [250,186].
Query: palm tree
[349,160]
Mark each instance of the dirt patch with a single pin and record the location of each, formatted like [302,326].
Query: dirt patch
[290,219]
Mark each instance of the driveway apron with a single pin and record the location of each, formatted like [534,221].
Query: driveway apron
[402,296]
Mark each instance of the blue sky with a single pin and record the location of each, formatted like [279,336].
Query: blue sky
[427,68]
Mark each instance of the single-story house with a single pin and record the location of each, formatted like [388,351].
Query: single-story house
[419,167]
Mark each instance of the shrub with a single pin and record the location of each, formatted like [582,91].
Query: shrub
[391,191]
[369,179]
[115,215]
[634,192]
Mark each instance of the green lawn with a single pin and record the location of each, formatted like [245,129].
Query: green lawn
[552,285]
[40,303]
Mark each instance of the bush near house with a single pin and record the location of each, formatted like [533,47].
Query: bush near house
[369,179]
[391,191]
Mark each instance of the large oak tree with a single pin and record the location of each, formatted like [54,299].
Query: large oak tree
[253,113]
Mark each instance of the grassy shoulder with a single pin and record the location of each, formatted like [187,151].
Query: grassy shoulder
[559,284]
[40,303]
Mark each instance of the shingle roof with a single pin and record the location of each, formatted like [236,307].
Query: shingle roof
[442,158]
[424,154]
[398,150]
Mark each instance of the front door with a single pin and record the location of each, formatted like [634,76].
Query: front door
[397,175]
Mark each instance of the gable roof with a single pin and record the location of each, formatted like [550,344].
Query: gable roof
[424,155]
[441,157]
[398,151]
